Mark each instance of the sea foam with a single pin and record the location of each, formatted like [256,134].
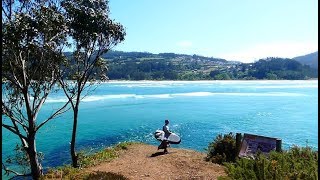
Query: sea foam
[173,95]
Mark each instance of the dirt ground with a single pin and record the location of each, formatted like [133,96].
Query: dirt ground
[143,161]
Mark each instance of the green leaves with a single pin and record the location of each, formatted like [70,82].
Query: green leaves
[222,149]
[34,34]
[296,163]
[32,42]
[92,33]
[89,24]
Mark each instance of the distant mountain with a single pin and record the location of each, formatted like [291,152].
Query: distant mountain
[309,59]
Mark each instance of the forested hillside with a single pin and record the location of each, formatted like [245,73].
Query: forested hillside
[171,66]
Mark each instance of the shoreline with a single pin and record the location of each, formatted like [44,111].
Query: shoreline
[231,80]
[238,80]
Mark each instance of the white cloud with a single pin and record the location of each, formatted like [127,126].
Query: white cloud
[277,49]
[184,44]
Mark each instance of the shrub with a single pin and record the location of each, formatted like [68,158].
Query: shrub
[296,163]
[222,149]
[123,145]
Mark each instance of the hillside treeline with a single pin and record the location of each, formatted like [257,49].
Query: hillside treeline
[189,68]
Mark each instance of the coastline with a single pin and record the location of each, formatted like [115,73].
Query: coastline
[237,80]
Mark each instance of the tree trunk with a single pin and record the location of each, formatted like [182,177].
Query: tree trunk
[36,168]
[74,156]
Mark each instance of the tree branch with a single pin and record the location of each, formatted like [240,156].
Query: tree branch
[88,70]
[62,83]
[23,70]
[43,98]
[8,171]
[7,112]
[19,113]
[15,79]
[5,13]
[13,130]
[59,111]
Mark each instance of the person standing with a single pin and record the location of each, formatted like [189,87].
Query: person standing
[167,133]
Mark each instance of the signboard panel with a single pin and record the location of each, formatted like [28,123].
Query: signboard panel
[251,143]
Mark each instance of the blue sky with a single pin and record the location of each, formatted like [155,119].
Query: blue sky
[243,30]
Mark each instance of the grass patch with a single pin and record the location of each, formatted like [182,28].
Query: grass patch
[64,172]
[89,160]
[224,178]
[104,176]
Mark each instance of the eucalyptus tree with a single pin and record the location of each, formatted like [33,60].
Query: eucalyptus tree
[92,34]
[33,37]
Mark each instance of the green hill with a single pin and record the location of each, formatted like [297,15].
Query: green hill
[171,66]
[309,59]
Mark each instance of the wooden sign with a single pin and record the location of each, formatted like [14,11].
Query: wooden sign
[252,143]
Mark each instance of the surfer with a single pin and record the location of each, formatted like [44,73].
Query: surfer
[167,133]
[166,137]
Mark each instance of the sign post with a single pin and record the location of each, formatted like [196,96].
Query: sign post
[253,143]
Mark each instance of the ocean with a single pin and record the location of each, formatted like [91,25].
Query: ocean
[198,111]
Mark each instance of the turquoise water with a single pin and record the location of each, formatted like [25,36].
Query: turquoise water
[197,110]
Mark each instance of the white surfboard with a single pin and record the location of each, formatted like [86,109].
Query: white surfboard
[173,138]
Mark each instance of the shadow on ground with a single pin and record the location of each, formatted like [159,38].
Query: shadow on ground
[160,153]
[157,154]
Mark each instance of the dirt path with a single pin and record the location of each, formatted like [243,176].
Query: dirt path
[142,161]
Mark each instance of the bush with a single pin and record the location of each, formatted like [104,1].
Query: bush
[222,149]
[296,163]
[123,145]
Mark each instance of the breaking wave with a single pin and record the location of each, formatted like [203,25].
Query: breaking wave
[174,95]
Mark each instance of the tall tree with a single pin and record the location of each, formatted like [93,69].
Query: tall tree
[92,34]
[33,36]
